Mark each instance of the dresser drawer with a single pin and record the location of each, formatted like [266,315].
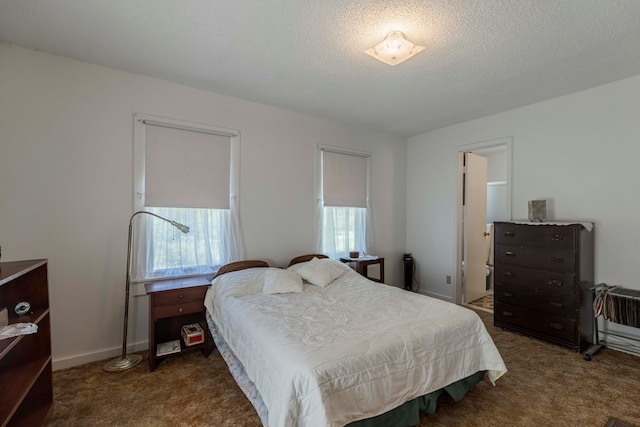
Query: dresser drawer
[550,236]
[180,296]
[545,281]
[557,304]
[536,257]
[531,321]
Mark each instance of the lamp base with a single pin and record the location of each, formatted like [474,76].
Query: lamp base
[122,363]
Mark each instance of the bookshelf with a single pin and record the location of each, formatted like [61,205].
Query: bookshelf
[25,360]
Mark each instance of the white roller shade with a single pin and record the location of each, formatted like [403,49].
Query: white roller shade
[344,179]
[186,169]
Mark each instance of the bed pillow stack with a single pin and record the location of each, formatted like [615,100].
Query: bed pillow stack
[278,281]
[321,272]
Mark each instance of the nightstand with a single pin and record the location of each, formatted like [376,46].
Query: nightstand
[172,304]
[362,264]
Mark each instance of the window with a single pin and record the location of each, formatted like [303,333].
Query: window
[188,173]
[344,214]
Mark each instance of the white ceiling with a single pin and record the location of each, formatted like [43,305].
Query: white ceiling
[481,56]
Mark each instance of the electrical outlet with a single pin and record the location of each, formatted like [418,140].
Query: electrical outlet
[448,280]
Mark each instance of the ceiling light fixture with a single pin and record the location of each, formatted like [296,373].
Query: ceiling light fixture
[394,49]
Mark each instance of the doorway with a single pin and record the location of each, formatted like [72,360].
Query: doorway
[482,199]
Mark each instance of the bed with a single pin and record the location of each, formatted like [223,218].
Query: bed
[317,344]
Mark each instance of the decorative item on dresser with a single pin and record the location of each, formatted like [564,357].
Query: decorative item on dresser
[25,360]
[543,272]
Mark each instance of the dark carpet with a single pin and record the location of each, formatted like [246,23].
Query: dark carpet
[546,386]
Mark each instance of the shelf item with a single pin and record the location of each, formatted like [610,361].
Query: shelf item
[192,334]
[173,304]
[542,278]
[25,360]
[168,347]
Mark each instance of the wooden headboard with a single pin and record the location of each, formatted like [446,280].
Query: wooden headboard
[240,265]
[305,258]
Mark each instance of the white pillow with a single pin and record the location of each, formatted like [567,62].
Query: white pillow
[278,281]
[335,264]
[320,272]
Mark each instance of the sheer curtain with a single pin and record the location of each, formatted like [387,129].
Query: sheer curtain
[344,231]
[171,253]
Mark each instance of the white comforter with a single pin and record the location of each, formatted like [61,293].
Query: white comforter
[348,351]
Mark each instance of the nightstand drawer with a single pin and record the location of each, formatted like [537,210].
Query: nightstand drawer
[177,309]
[180,296]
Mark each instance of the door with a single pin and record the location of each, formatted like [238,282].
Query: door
[474,255]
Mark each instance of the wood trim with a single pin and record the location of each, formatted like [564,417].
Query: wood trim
[305,258]
[240,265]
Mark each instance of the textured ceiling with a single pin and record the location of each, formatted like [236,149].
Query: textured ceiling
[481,56]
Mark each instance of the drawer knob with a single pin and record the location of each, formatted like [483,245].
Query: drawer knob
[509,234]
[557,326]
[181,296]
[507,313]
[508,274]
[557,237]
[180,310]
[557,259]
[555,282]
[507,294]
[556,304]
[509,253]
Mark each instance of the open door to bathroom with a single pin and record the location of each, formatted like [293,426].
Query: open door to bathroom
[498,208]
[474,273]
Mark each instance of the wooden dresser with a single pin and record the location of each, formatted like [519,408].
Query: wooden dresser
[26,393]
[542,275]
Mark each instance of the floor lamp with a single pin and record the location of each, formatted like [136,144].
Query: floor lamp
[125,361]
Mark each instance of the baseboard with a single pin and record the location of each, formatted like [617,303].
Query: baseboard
[476,307]
[435,295]
[82,359]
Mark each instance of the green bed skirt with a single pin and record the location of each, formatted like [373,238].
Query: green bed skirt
[408,414]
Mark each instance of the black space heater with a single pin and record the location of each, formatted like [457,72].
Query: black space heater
[407,260]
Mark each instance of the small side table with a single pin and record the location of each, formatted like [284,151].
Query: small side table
[172,304]
[362,265]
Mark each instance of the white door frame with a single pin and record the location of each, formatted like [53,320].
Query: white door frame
[477,148]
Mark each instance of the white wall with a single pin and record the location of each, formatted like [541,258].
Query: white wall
[66,184]
[496,164]
[580,152]
[496,186]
